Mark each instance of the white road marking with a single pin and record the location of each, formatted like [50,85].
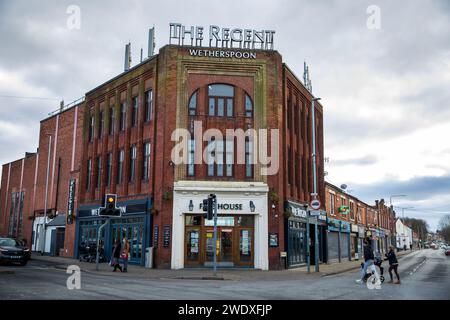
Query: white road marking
[416,268]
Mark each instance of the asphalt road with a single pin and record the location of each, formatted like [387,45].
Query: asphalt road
[425,274]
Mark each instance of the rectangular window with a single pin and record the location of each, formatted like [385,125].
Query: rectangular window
[120,159]
[91,128]
[135,111]
[146,163]
[88,174]
[229,157]
[248,107]
[191,158]
[332,207]
[123,112]
[248,158]
[289,111]
[111,120]
[132,163]
[212,107]
[148,105]
[289,166]
[210,157]
[297,170]
[109,169]
[220,107]
[352,212]
[99,171]
[101,125]
[230,107]
[297,119]
[219,157]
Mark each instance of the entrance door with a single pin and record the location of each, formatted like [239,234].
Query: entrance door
[192,240]
[135,235]
[223,247]
[226,247]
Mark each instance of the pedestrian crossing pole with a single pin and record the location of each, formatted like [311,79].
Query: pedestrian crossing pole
[214,199]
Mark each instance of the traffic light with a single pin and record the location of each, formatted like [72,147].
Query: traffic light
[110,208]
[208,206]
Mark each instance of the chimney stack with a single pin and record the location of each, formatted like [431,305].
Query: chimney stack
[127,64]
[151,42]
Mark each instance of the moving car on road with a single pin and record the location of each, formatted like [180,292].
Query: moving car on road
[12,250]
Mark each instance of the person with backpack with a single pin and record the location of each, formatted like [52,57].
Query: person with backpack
[393,264]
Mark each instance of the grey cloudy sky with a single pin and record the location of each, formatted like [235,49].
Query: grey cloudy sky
[385,91]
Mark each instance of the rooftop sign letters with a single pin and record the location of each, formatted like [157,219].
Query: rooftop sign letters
[221,37]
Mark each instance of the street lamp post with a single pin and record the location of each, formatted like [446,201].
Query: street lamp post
[316,237]
[395,196]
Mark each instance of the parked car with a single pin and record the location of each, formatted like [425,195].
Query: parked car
[13,251]
[447,251]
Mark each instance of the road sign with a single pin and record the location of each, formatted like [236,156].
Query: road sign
[315,204]
[314,213]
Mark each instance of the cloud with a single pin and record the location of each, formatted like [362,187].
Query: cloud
[385,92]
[362,161]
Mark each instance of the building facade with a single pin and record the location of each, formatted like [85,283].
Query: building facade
[47,172]
[120,140]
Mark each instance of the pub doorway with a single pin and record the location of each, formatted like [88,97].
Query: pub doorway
[234,246]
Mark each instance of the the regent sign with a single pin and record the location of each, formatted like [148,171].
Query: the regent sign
[222,37]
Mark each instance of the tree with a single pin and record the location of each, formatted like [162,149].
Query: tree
[419,226]
[444,226]
[444,221]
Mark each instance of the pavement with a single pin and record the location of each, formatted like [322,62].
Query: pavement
[425,274]
[207,273]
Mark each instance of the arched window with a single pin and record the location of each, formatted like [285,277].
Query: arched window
[248,107]
[193,104]
[220,99]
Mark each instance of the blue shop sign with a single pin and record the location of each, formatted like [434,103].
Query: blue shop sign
[338,225]
[345,227]
[333,224]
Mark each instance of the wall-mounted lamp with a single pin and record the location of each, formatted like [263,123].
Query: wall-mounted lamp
[252,206]
[191,205]
[273,205]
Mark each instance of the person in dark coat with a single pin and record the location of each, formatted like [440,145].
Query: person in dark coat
[393,264]
[368,259]
[116,256]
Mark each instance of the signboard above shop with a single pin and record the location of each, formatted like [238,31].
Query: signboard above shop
[221,37]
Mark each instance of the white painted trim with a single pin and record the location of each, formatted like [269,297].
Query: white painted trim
[238,192]
[74,138]
[7,196]
[55,144]
[21,175]
[35,182]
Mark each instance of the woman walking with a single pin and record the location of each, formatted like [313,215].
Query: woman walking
[125,253]
[116,255]
[393,264]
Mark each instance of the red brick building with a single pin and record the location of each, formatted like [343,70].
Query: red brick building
[351,220]
[124,145]
[24,217]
